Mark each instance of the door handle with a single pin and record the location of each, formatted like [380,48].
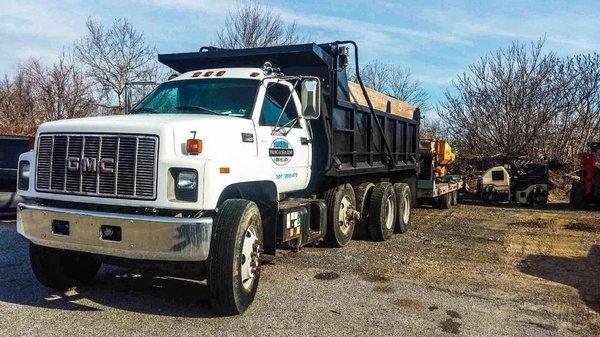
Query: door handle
[304,141]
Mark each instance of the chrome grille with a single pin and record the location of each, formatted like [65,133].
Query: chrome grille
[130,170]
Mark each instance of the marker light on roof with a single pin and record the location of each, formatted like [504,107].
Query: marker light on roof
[208,73]
[220,73]
[196,74]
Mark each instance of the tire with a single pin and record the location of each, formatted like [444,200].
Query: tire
[490,196]
[382,207]
[339,200]
[577,197]
[62,269]
[404,207]
[537,198]
[444,201]
[363,195]
[235,248]
[454,198]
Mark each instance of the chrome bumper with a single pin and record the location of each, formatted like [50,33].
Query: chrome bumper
[142,236]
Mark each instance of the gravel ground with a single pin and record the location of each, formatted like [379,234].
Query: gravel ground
[468,271]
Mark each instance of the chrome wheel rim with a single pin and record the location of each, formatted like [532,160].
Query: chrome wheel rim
[250,258]
[389,212]
[344,216]
[406,214]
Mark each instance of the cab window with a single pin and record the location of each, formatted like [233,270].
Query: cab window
[497,175]
[275,99]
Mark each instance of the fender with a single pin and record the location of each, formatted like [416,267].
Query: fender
[264,193]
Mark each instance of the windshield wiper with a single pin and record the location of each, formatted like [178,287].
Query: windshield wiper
[196,108]
[150,110]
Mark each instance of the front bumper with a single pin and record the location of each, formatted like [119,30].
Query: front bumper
[143,237]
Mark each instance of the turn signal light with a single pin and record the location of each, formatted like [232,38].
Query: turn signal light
[193,146]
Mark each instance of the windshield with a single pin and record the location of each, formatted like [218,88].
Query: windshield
[225,96]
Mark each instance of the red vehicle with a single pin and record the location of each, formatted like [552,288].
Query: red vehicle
[586,189]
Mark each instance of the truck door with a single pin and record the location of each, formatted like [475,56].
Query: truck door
[283,138]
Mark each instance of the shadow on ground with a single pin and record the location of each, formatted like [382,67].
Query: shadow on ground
[473,200]
[114,287]
[580,273]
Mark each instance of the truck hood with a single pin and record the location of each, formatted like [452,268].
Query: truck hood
[173,129]
[138,123]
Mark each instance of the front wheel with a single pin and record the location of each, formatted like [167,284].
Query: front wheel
[234,269]
[341,215]
[537,198]
[62,269]
[490,196]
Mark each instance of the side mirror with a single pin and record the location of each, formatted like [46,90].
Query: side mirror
[311,102]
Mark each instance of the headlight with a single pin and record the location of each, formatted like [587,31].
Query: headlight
[183,184]
[187,180]
[23,179]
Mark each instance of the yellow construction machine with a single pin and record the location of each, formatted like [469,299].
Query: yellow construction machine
[435,184]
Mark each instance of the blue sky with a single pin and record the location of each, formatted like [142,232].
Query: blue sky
[435,39]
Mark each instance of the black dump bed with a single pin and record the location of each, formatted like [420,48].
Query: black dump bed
[347,140]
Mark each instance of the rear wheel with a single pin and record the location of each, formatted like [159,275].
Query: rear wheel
[404,206]
[341,215]
[234,269]
[444,201]
[62,269]
[490,196]
[382,207]
[363,195]
[537,198]
[454,198]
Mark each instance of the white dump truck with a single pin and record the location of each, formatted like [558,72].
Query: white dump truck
[243,152]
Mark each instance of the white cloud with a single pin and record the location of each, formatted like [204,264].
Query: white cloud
[387,37]
[566,31]
[25,18]
[30,29]
[204,6]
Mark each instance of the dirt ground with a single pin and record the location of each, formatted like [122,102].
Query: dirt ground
[471,271]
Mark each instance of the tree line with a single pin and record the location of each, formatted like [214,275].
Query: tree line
[522,102]
[87,79]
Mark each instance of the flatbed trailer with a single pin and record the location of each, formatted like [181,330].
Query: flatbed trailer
[442,193]
[435,186]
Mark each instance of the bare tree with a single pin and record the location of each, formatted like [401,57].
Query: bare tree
[432,126]
[114,56]
[405,87]
[519,101]
[38,94]
[254,25]
[61,90]
[394,81]
[376,75]
[17,106]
